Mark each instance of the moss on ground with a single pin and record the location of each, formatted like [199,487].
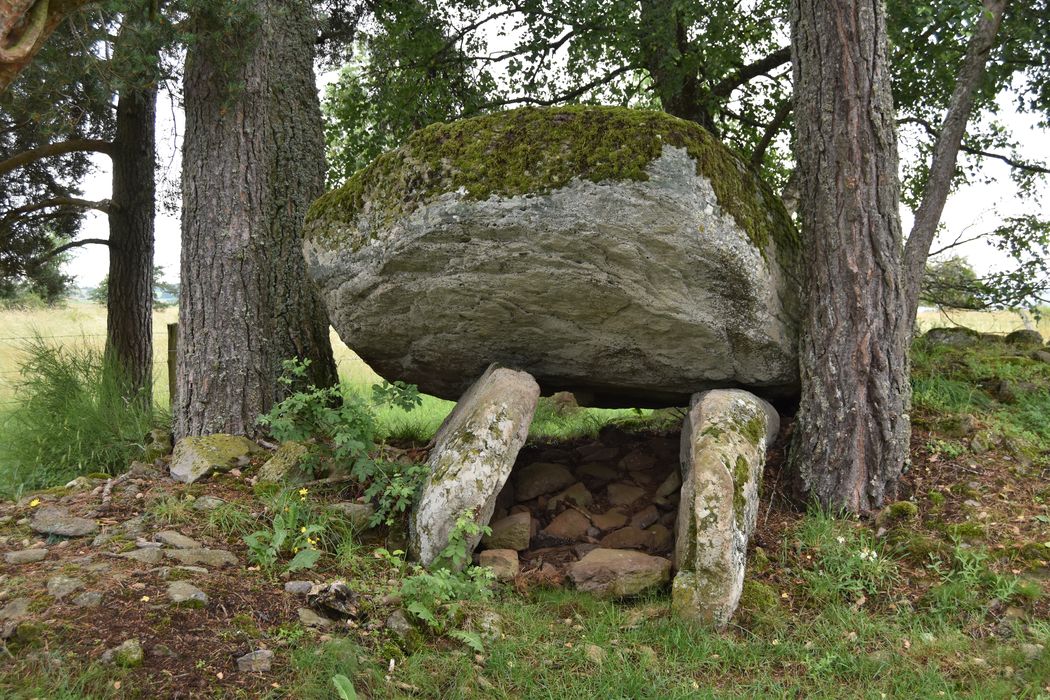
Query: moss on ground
[531,150]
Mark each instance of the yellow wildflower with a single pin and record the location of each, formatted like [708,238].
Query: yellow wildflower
[302,529]
[34,503]
[145,599]
[303,491]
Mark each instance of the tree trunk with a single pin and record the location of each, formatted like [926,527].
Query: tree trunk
[129,303]
[253,161]
[852,430]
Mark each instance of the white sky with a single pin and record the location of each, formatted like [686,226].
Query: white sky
[975,208]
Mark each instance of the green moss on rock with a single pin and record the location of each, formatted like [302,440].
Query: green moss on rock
[532,150]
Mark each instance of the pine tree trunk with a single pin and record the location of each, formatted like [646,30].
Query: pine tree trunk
[253,161]
[129,319]
[852,431]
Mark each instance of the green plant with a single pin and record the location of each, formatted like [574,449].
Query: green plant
[946,448]
[846,561]
[344,687]
[74,416]
[437,596]
[170,509]
[292,529]
[967,581]
[392,488]
[230,519]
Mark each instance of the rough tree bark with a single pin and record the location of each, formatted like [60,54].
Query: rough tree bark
[852,430]
[129,302]
[253,160]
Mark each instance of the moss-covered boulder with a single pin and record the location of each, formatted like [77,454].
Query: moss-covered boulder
[724,441]
[195,457]
[624,255]
[472,457]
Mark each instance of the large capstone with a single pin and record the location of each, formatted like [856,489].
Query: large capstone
[724,441]
[624,255]
[472,457]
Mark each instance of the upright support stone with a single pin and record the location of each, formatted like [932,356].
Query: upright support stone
[724,441]
[472,457]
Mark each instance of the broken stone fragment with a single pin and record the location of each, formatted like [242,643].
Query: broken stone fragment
[285,466]
[472,457]
[569,526]
[25,556]
[255,661]
[201,556]
[724,442]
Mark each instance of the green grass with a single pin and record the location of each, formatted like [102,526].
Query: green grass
[72,419]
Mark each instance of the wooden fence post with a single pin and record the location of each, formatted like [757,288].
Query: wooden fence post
[173,343]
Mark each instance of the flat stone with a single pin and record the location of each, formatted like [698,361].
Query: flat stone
[128,654]
[611,520]
[627,538]
[56,520]
[25,556]
[196,457]
[597,452]
[569,526]
[618,573]
[149,555]
[298,587]
[577,493]
[206,503]
[359,514]
[662,538]
[16,609]
[512,532]
[474,452]
[311,619]
[670,485]
[540,478]
[645,517]
[203,557]
[598,473]
[620,494]
[503,562]
[185,592]
[177,540]
[637,460]
[87,599]
[255,662]
[60,586]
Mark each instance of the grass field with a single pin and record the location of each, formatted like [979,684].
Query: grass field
[83,322]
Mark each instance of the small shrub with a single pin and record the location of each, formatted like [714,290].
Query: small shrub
[73,418]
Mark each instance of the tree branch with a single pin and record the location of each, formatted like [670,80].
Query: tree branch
[946,151]
[44,16]
[564,96]
[1012,162]
[103,206]
[55,149]
[751,71]
[69,246]
[781,116]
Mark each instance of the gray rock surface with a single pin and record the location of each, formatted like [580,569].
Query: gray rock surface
[128,654]
[184,592]
[540,478]
[255,662]
[25,556]
[618,573]
[472,457]
[196,457]
[59,586]
[56,520]
[724,441]
[503,562]
[359,514]
[177,540]
[203,557]
[633,290]
[511,532]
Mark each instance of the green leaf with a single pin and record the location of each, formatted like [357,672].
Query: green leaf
[344,687]
[423,613]
[471,639]
[305,559]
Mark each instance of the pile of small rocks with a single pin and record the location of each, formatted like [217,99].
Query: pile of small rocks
[578,511]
